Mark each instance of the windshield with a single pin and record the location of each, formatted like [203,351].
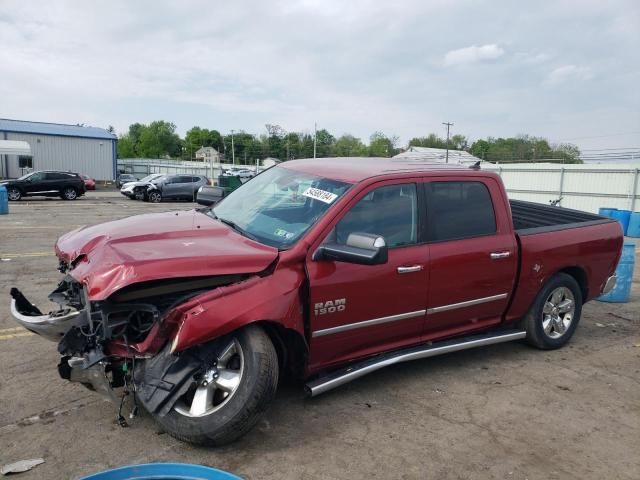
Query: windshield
[278,206]
[25,176]
[148,178]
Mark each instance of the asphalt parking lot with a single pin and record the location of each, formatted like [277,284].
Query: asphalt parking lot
[502,412]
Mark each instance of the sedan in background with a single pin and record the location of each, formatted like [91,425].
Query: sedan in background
[125,178]
[243,173]
[89,183]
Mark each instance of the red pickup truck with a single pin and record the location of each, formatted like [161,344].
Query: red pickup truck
[325,269]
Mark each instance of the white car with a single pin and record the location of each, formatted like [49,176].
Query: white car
[127,188]
[243,173]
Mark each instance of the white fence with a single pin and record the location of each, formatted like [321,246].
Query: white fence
[583,187]
[141,167]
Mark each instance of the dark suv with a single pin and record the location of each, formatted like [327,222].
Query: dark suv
[65,185]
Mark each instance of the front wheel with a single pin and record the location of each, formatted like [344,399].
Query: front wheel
[154,197]
[14,194]
[235,390]
[555,313]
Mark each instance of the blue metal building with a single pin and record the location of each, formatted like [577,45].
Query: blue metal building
[54,146]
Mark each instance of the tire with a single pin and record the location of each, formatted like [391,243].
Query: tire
[154,197]
[243,407]
[14,194]
[69,193]
[555,313]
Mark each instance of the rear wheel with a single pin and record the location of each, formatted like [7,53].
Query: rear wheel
[555,313]
[14,194]
[235,390]
[69,193]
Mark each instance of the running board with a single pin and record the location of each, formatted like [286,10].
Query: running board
[360,369]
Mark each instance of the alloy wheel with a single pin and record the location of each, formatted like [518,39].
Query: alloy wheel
[558,312]
[217,386]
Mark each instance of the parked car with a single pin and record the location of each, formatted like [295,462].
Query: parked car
[125,178]
[325,269]
[135,190]
[175,187]
[89,183]
[48,183]
[243,173]
[208,195]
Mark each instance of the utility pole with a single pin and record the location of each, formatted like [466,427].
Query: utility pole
[233,151]
[448,126]
[315,138]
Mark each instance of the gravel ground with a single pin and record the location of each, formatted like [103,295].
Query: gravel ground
[502,412]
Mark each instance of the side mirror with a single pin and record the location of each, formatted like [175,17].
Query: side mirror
[208,195]
[360,248]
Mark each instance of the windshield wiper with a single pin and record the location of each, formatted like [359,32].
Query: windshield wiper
[236,228]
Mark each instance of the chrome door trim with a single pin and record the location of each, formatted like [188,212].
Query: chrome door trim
[411,269]
[468,303]
[367,323]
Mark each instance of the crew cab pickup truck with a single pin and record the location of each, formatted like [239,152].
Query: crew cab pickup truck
[326,269]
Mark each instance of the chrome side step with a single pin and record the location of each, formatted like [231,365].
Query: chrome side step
[357,370]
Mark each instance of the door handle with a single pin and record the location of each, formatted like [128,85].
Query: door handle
[499,255]
[411,269]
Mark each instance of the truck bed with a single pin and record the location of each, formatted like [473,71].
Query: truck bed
[531,218]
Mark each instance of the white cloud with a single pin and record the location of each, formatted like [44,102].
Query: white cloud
[568,73]
[473,54]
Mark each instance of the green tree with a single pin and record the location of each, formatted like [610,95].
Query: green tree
[125,147]
[159,140]
[380,145]
[198,137]
[350,146]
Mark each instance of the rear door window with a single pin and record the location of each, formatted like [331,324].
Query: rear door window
[457,210]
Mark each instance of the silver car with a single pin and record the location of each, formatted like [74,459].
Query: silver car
[175,187]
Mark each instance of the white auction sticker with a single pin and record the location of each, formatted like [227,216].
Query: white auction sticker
[322,195]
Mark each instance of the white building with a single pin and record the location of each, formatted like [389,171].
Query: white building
[207,155]
[437,155]
[55,146]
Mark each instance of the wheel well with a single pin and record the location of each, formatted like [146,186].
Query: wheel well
[579,276]
[290,346]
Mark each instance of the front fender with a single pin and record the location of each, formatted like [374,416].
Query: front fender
[275,297]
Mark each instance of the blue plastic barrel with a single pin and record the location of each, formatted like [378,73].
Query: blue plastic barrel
[163,471]
[634,225]
[4,200]
[606,212]
[624,271]
[623,217]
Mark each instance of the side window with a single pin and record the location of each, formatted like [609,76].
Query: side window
[391,212]
[459,210]
[36,177]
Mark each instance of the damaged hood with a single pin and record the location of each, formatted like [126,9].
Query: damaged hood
[113,255]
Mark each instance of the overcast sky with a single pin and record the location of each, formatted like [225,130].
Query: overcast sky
[566,70]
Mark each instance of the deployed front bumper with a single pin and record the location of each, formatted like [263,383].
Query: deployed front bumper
[52,326]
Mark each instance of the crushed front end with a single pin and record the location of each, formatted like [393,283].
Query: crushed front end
[104,343]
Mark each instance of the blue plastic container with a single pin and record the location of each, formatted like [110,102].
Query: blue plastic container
[606,212]
[624,271]
[163,471]
[634,225]
[4,200]
[623,217]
